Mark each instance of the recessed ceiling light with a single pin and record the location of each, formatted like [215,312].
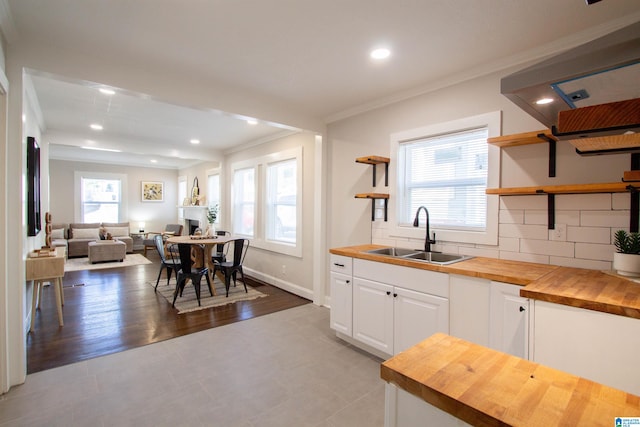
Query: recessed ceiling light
[107,91]
[195,141]
[252,122]
[543,101]
[102,149]
[153,161]
[96,126]
[380,53]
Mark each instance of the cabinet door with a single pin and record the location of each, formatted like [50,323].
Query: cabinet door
[469,308]
[373,314]
[416,317]
[509,320]
[340,318]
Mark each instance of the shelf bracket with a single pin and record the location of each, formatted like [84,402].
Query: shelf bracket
[552,153]
[551,209]
[373,209]
[634,211]
[374,174]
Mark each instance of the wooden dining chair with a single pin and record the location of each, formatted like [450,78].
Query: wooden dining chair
[231,267]
[188,271]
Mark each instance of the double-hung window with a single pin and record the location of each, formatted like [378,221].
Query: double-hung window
[267,203]
[101,197]
[213,191]
[446,169]
[244,201]
[448,175]
[281,204]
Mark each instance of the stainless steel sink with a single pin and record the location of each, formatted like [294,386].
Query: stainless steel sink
[437,257]
[394,252]
[418,255]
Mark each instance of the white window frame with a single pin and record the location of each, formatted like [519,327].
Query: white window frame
[182,181]
[246,165]
[210,201]
[123,212]
[259,239]
[489,236]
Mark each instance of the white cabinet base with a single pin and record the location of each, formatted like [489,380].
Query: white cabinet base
[403,409]
[588,344]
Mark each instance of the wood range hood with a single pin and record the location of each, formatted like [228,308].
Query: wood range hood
[592,93]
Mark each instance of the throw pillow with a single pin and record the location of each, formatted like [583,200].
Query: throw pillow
[58,233]
[118,231]
[85,233]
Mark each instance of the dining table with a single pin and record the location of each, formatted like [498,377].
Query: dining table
[201,248]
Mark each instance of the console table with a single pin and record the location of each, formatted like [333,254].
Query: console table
[46,269]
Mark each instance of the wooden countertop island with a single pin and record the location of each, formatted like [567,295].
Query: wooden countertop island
[485,387]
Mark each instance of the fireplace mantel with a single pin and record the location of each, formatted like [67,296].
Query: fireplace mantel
[195,213]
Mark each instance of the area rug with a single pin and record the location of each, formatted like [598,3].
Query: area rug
[189,303]
[76,264]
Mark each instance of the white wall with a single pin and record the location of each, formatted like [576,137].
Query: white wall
[288,272]
[155,214]
[523,233]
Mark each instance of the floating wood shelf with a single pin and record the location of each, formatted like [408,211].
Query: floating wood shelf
[376,160]
[518,139]
[528,138]
[375,196]
[612,187]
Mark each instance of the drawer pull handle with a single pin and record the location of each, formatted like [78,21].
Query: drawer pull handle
[388,292]
[522,309]
[338,265]
[348,281]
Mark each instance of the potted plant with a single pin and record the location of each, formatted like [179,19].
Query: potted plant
[212,215]
[626,260]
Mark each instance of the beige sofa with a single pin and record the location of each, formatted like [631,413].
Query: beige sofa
[76,237]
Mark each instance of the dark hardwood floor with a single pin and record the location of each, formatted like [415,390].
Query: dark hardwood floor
[112,310]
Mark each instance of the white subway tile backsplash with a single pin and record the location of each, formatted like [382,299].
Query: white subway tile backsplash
[562,217]
[620,201]
[523,202]
[604,218]
[511,217]
[580,263]
[523,231]
[546,247]
[509,244]
[594,251]
[583,201]
[591,221]
[518,256]
[589,234]
[491,253]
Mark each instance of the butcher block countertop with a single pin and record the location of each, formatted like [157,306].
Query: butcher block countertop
[485,387]
[576,287]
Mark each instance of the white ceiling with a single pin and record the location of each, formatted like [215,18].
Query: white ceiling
[311,55]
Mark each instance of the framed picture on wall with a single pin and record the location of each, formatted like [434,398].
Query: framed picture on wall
[152,191]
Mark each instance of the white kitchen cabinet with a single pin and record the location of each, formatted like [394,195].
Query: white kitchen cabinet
[340,316]
[469,299]
[509,320]
[598,346]
[403,409]
[373,314]
[391,319]
[417,316]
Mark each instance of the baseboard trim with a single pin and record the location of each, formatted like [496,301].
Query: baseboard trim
[274,281]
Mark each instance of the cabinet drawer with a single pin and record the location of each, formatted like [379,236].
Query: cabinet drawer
[341,264]
[415,279]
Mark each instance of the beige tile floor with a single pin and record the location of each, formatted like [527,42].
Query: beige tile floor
[283,369]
